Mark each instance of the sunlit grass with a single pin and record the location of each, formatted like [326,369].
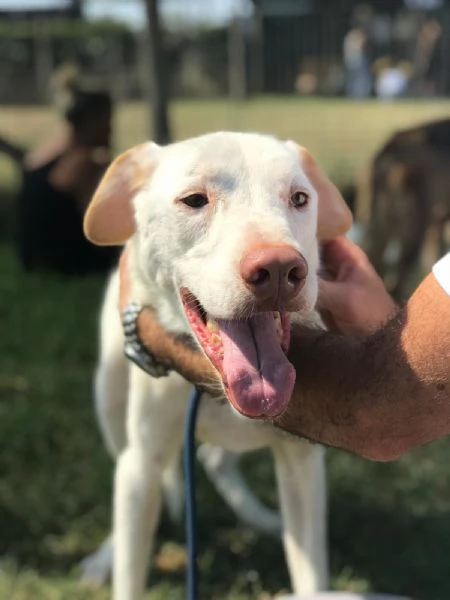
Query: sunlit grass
[342,134]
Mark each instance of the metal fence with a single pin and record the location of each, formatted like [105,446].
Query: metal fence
[283,46]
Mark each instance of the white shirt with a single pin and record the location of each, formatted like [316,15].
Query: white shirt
[441,271]
[391,83]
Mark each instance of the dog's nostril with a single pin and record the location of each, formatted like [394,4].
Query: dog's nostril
[275,273]
[259,277]
[296,275]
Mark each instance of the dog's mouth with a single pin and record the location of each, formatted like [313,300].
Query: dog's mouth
[250,355]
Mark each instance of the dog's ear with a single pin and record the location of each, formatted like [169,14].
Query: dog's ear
[334,218]
[109,219]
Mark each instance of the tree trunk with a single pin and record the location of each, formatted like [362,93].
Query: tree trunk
[43,58]
[76,9]
[158,77]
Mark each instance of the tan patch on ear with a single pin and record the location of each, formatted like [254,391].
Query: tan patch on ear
[335,218]
[109,219]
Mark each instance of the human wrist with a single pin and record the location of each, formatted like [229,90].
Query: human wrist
[153,337]
[177,351]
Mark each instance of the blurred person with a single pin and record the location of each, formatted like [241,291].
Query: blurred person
[391,79]
[357,63]
[58,180]
[427,57]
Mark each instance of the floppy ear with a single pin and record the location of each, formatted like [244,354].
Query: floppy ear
[109,219]
[334,218]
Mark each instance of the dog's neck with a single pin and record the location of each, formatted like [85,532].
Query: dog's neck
[163,298]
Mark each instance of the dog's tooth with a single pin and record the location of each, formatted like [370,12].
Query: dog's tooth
[215,339]
[212,325]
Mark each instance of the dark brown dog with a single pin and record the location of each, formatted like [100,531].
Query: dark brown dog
[406,204]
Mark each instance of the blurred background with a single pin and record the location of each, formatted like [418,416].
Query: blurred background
[365,86]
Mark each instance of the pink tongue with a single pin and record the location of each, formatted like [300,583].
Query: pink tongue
[257,374]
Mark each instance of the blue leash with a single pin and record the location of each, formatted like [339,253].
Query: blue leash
[191,507]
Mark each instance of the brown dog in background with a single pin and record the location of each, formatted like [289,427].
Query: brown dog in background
[404,204]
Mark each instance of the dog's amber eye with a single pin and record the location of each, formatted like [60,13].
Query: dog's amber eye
[299,199]
[195,200]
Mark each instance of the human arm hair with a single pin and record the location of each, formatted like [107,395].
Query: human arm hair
[377,384]
[377,396]
[381,395]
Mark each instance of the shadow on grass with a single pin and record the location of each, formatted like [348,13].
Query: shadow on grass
[395,551]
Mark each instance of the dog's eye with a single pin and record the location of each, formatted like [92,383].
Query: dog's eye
[195,200]
[299,199]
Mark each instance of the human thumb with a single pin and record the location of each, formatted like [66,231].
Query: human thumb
[332,296]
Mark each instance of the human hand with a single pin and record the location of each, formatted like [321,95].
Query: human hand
[352,297]
[176,351]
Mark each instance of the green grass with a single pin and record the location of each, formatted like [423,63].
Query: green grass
[389,523]
[342,134]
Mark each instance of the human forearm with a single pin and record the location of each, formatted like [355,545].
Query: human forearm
[378,395]
[16,153]
[330,403]
[381,396]
[190,362]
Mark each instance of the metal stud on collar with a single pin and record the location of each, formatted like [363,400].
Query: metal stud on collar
[134,350]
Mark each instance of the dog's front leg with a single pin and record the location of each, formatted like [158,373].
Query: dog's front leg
[222,467]
[137,506]
[155,425]
[300,471]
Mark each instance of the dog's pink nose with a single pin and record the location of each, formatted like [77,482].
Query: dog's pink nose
[274,273]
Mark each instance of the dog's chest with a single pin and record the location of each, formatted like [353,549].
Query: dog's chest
[218,423]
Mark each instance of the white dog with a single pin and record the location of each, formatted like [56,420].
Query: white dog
[222,238]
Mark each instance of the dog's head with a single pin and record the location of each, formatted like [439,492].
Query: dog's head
[229,222]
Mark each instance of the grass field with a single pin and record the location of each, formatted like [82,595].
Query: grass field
[389,523]
[342,134]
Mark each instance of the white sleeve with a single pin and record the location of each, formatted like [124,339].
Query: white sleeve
[441,271]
